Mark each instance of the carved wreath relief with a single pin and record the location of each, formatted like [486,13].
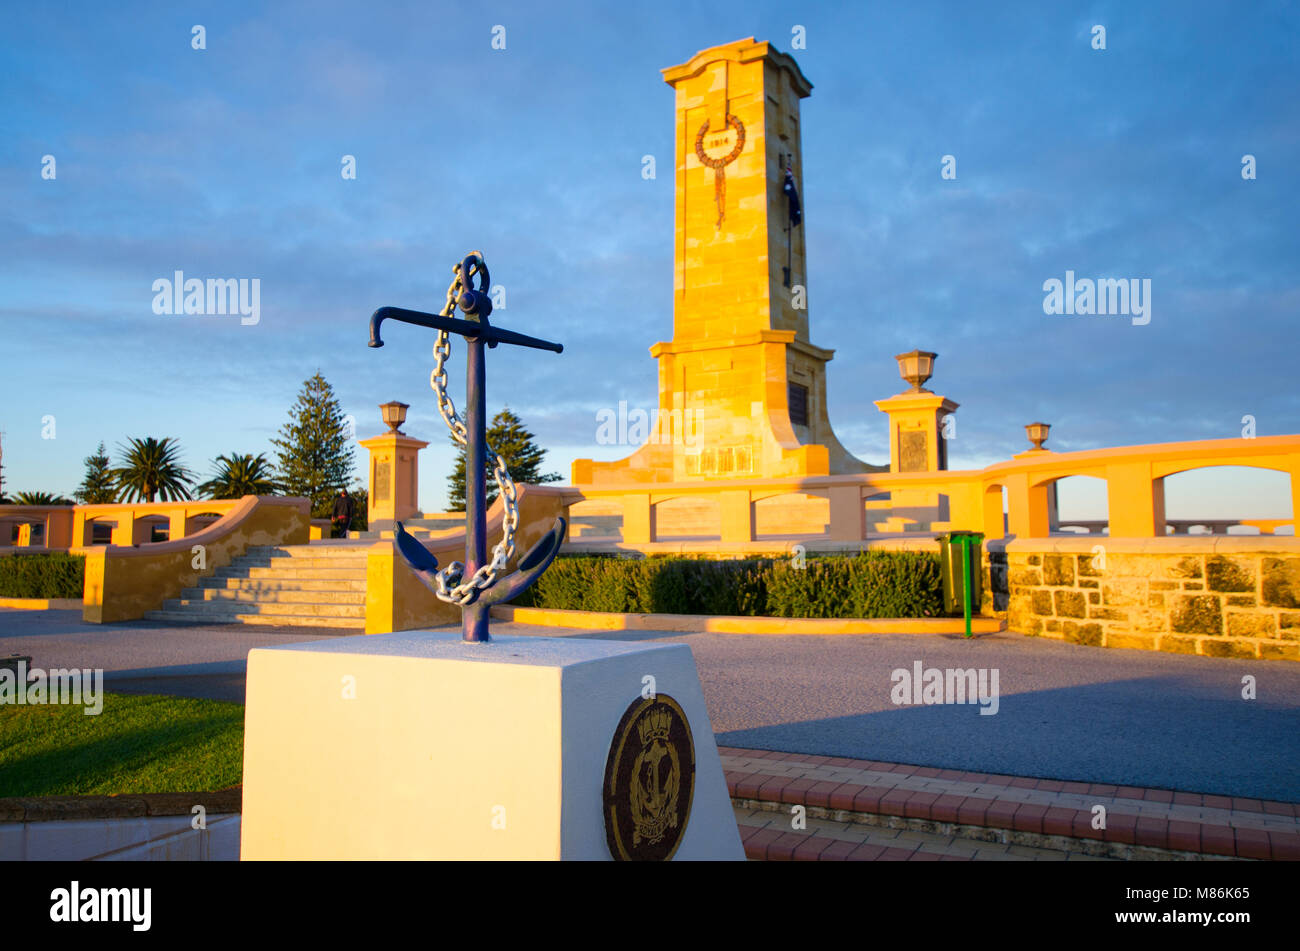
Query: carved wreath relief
[719,164]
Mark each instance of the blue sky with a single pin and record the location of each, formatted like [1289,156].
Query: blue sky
[225,162]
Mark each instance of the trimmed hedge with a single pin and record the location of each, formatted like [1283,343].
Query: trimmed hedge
[874,584]
[42,576]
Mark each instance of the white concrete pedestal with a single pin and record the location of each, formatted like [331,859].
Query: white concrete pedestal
[414,745]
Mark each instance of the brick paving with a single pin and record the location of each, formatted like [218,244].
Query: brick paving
[769,834]
[894,811]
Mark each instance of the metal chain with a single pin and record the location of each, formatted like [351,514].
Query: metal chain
[450,586]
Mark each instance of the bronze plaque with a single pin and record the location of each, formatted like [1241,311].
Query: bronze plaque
[912,455]
[383,476]
[649,781]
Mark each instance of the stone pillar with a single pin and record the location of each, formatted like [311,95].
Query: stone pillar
[737,516]
[916,442]
[124,527]
[994,522]
[178,525]
[1294,467]
[638,519]
[847,513]
[1135,500]
[1028,507]
[394,478]
[58,529]
[80,528]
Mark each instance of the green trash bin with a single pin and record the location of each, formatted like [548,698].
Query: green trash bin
[959,557]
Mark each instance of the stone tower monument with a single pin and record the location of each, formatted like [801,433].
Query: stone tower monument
[742,388]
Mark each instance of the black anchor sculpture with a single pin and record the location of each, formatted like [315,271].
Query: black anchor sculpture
[477,331]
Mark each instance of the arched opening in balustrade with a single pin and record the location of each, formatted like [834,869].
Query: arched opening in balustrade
[99,531]
[879,509]
[688,518]
[196,523]
[10,527]
[35,527]
[1229,500]
[152,528]
[596,520]
[793,515]
[1077,505]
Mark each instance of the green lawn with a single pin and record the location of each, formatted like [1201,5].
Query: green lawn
[138,744]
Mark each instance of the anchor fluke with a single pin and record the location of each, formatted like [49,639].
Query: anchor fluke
[416,555]
[531,566]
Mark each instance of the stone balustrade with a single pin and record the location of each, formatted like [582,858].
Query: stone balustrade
[847,508]
[133,523]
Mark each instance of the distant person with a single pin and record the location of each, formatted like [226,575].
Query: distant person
[344,507]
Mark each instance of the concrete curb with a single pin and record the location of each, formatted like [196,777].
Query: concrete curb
[126,805]
[41,604]
[700,623]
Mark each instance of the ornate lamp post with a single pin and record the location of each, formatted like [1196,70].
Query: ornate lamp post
[1038,434]
[916,366]
[394,414]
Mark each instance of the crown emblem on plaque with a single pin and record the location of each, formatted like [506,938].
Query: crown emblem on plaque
[655,725]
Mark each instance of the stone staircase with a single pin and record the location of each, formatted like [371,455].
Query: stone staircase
[317,585]
[422,527]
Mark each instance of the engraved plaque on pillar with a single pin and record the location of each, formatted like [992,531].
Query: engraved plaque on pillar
[383,480]
[912,455]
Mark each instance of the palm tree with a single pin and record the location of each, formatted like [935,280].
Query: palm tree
[152,468]
[40,498]
[240,474]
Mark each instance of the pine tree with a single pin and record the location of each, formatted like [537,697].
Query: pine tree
[314,452]
[523,457]
[98,487]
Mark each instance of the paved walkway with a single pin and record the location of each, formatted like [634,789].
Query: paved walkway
[950,810]
[1066,713]
[768,837]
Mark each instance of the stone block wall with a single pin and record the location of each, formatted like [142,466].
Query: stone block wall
[1219,596]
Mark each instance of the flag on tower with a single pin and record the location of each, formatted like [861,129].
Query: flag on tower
[792,197]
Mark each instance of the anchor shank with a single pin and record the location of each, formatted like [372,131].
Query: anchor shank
[475,615]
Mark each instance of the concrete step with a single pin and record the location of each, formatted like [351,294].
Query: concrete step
[284,596]
[372,535]
[282,608]
[307,551]
[299,563]
[254,585]
[276,573]
[188,617]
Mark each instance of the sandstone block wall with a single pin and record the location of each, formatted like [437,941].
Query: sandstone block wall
[1222,597]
